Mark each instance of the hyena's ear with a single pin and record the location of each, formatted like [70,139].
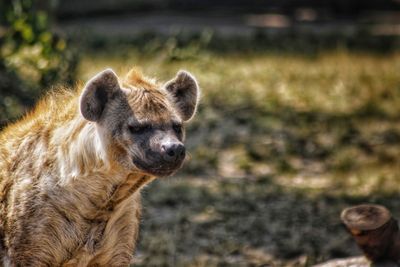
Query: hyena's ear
[97,92]
[185,93]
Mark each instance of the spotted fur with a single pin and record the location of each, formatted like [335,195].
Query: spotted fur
[69,184]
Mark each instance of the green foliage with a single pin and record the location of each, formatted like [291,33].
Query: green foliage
[32,57]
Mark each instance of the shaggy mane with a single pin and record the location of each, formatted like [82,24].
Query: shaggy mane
[60,104]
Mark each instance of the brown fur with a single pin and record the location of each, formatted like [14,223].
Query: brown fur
[69,192]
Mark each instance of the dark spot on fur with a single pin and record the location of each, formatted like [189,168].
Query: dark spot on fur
[117,130]
[1,242]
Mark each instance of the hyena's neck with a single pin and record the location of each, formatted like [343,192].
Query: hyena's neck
[87,171]
[80,151]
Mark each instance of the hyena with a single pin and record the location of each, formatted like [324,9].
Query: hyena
[71,170]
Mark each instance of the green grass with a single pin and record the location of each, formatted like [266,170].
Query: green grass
[280,145]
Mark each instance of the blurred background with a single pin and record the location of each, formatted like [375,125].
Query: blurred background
[299,116]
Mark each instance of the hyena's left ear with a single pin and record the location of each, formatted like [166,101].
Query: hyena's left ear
[98,91]
[185,93]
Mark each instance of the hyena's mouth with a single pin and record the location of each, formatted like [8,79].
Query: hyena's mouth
[158,169]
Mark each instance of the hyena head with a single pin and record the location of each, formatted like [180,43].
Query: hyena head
[141,123]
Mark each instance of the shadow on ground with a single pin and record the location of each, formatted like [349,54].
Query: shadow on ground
[243,222]
[269,191]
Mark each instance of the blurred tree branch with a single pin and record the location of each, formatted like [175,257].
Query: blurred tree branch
[32,57]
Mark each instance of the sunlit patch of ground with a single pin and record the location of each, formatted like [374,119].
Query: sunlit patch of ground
[280,145]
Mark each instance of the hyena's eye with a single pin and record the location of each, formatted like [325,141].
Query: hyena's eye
[139,128]
[177,128]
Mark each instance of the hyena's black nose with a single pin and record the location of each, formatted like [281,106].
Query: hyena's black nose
[172,152]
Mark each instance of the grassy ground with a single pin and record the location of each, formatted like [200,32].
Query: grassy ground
[280,145]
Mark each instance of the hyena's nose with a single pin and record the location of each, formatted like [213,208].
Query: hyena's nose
[173,152]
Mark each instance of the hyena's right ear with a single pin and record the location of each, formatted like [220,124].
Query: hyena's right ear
[96,94]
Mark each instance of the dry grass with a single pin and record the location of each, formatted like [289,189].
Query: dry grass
[280,145]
